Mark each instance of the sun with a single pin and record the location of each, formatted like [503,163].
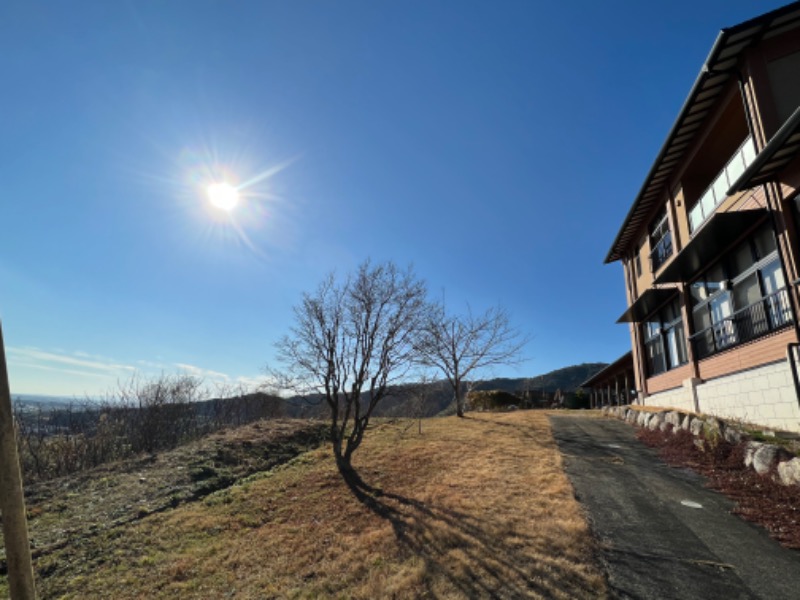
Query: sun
[223,196]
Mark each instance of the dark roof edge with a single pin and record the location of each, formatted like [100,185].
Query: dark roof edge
[786,131]
[614,253]
[610,367]
[698,82]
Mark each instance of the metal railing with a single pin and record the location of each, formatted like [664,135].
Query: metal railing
[768,314]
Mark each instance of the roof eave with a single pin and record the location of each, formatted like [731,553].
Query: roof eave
[615,253]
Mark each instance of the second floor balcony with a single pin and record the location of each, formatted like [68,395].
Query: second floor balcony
[718,190]
[764,316]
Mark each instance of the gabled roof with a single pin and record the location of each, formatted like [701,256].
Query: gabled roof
[709,85]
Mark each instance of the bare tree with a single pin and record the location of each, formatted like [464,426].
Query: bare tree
[420,394]
[463,345]
[350,341]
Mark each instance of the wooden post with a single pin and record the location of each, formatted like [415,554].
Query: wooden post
[627,389]
[12,500]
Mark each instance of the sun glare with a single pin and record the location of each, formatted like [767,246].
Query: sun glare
[223,195]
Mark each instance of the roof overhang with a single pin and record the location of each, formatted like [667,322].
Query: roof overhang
[708,243]
[620,366]
[782,149]
[651,300]
[710,84]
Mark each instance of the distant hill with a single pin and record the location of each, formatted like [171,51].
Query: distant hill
[436,398]
[33,401]
[567,379]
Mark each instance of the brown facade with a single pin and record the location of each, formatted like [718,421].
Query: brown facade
[711,245]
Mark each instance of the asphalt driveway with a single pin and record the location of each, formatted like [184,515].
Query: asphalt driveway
[662,534]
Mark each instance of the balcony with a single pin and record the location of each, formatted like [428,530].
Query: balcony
[718,190]
[769,314]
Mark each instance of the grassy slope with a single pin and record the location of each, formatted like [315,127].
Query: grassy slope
[475,507]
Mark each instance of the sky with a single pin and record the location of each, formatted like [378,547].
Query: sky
[495,146]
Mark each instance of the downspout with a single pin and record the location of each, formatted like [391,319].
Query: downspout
[633,291]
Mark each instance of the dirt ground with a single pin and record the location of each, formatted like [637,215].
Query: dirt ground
[463,508]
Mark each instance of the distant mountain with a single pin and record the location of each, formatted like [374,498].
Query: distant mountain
[437,398]
[567,379]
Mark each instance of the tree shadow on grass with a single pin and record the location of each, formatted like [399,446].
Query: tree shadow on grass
[476,555]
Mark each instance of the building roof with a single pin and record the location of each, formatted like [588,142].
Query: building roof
[621,365]
[709,85]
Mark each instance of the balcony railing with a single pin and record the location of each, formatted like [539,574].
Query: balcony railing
[718,190]
[768,314]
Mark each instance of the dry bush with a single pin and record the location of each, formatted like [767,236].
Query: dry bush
[142,416]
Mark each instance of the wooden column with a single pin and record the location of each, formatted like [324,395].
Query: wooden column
[12,500]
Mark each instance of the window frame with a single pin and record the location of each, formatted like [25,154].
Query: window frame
[659,234]
[730,324]
[658,331]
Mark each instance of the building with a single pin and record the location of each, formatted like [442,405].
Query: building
[612,385]
[710,247]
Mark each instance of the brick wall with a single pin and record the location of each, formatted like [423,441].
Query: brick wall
[764,396]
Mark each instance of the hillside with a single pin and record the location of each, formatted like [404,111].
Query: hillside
[502,524]
[437,398]
[567,379]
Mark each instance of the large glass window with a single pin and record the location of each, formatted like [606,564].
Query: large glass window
[718,190]
[665,341]
[660,240]
[741,297]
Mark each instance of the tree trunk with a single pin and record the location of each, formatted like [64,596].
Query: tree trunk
[459,403]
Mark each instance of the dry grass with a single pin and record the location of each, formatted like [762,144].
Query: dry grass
[476,507]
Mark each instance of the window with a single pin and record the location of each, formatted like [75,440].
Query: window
[741,297]
[660,240]
[718,190]
[665,341]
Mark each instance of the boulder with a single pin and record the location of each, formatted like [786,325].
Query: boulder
[685,422]
[789,472]
[712,428]
[764,457]
[632,416]
[750,451]
[673,417]
[733,436]
[641,420]
[696,426]
[655,421]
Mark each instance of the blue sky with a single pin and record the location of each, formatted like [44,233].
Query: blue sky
[496,146]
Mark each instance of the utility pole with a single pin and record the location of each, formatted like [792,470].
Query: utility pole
[12,500]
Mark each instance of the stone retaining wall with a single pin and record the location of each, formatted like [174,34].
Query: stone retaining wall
[762,457]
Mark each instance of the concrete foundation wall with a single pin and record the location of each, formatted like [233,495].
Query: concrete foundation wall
[761,396]
[678,398]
